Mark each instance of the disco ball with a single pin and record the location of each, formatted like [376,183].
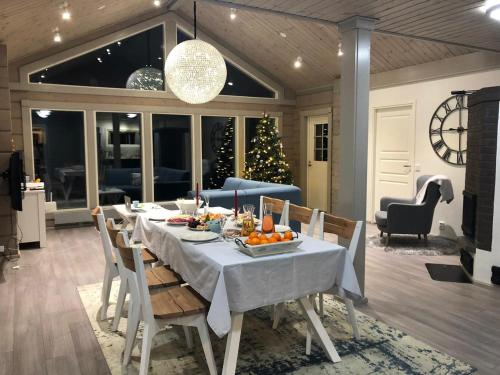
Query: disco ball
[195,71]
[146,79]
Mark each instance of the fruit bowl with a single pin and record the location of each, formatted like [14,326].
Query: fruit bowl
[269,248]
[188,205]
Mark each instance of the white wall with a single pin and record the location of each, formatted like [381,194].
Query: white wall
[426,97]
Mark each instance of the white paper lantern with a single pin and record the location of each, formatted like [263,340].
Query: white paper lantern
[146,79]
[195,71]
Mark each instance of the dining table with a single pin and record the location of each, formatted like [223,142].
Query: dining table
[235,283]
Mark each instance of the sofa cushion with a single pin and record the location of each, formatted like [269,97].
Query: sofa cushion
[381,218]
[232,183]
[250,184]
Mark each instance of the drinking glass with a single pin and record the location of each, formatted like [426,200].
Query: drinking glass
[248,225]
[267,220]
[222,221]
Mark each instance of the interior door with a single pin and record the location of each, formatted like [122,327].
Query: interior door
[394,153]
[317,162]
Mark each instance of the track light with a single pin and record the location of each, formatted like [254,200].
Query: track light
[157,3]
[298,62]
[57,35]
[340,52]
[65,13]
[233,14]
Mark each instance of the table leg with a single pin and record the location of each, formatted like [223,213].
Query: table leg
[232,344]
[318,329]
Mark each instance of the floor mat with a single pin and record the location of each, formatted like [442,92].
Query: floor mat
[447,272]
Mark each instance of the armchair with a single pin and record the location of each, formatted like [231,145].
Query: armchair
[405,216]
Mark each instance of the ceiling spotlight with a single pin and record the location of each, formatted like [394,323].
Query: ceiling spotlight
[65,14]
[283,35]
[233,14]
[131,115]
[57,35]
[43,113]
[340,52]
[157,3]
[492,9]
[99,59]
[119,43]
[101,7]
[298,63]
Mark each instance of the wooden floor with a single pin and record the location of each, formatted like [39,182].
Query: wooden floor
[44,329]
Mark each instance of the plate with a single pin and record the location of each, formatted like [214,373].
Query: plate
[199,229]
[179,224]
[199,236]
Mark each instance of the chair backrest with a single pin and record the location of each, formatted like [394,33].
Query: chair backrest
[105,239]
[344,228]
[280,207]
[96,211]
[112,230]
[304,215]
[132,260]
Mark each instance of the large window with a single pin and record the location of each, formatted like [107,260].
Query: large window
[238,83]
[218,150]
[135,62]
[172,158]
[59,156]
[119,156]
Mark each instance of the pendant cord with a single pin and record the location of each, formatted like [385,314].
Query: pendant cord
[194,11]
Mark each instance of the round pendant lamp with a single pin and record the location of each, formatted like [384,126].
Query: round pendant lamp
[195,71]
[147,78]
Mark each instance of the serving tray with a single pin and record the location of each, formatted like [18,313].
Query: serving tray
[257,251]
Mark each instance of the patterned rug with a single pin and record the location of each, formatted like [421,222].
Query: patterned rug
[411,245]
[263,351]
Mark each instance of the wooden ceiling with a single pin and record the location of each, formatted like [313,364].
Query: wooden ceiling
[26,26]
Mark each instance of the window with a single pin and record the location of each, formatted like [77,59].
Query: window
[251,130]
[218,150]
[59,156]
[119,162]
[115,65]
[172,156]
[238,83]
[321,142]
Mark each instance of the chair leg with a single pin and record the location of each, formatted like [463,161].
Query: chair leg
[321,307]
[278,311]
[147,342]
[419,237]
[122,293]
[388,239]
[381,234]
[134,310]
[425,239]
[207,345]
[308,340]
[106,291]
[189,337]
[351,315]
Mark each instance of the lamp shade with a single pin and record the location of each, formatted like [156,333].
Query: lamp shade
[146,79]
[195,71]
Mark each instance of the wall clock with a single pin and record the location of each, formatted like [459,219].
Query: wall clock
[448,130]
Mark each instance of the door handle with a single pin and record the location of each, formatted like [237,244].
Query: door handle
[309,163]
[407,166]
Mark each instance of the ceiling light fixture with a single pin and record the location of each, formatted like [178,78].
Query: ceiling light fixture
[283,35]
[340,52]
[99,59]
[131,115]
[43,113]
[232,15]
[101,7]
[119,43]
[230,83]
[57,35]
[492,9]
[157,3]
[195,70]
[65,13]
[298,63]
[108,51]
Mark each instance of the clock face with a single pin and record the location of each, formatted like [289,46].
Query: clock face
[448,130]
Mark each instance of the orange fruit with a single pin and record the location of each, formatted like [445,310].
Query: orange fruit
[276,236]
[254,241]
[272,240]
[253,235]
[263,241]
[288,235]
[263,237]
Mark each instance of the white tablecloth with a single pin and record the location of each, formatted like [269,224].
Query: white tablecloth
[233,281]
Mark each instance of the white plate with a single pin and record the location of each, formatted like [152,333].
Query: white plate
[277,228]
[199,236]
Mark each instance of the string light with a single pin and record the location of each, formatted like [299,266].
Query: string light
[157,3]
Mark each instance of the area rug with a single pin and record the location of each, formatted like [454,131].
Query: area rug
[264,351]
[411,245]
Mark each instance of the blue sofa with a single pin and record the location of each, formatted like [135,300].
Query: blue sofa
[249,192]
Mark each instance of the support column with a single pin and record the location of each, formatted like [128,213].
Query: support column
[354,94]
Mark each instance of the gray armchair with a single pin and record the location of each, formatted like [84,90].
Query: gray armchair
[404,216]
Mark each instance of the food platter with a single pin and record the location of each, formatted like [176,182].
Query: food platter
[256,251]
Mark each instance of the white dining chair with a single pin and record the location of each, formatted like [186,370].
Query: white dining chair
[279,207]
[303,215]
[110,267]
[178,305]
[157,277]
[346,230]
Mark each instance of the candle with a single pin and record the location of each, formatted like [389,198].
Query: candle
[236,204]
[197,195]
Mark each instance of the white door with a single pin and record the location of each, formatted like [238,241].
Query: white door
[317,162]
[394,153]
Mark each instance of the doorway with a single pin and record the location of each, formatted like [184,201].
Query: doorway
[317,161]
[393,161]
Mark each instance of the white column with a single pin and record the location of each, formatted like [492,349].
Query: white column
[354,93]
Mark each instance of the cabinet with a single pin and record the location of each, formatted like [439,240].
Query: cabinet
[31,220]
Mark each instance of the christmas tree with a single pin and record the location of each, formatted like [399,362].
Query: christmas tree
[266,159]
[224,163]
